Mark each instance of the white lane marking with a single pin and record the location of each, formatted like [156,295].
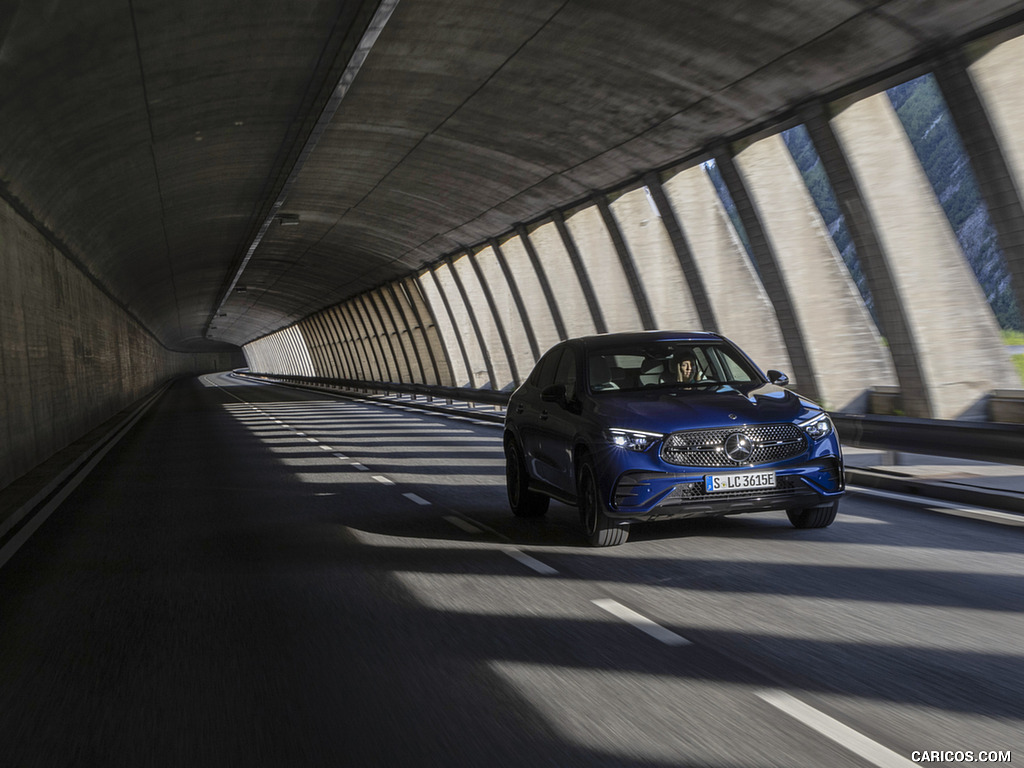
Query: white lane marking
[384,480]
[326,448]
[944,507]
[418,499]
[528,561]
[831,728]
[641,622]
[312,440]
[458,522]
[341,456]
[360,467]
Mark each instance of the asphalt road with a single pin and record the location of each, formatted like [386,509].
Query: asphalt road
[256,576]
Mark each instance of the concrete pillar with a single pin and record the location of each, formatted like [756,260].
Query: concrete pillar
[988,107]
[374,351]
[842,343]
[345,346]
[739,302]
[889,310]
[629,269]
[365,356]
[574,296]
[770,273]
[460,321]
[687,263]
[318,350]
[611,303]
[484,265]
[657,266]
[522,317]
[482,322]
[538,294]
[440,359]
[956,335]
[392,334]
[402,313]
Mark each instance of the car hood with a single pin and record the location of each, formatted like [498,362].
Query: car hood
[673,409]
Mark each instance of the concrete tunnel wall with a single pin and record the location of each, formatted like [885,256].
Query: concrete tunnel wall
[663,252]
[70,358]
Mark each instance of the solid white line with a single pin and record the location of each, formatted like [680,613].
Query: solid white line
[528,561]
[384,480]
[418,499]
[831,728]
[641,622]
[458,522]
[944,507]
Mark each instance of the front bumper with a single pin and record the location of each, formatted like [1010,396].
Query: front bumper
[645,495]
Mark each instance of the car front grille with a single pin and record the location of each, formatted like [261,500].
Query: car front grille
[707,447]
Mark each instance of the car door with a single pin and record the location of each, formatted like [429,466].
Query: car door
[557,425]
[528,410]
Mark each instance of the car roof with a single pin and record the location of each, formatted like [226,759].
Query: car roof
[630,338]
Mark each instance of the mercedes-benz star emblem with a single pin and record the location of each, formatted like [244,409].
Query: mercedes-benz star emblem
[738,447]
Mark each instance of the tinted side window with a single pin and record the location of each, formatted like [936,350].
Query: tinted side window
[566,373]
[544,374]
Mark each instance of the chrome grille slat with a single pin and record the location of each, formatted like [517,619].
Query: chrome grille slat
[705,447]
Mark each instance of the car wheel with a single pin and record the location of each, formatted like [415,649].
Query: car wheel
[600,529]
[523,501]
[820,516]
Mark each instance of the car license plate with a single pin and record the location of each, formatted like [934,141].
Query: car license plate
[739,481]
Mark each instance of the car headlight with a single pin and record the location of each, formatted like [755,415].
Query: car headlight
[632,440]
[818,427]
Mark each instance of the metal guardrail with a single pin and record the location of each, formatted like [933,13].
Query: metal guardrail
[980,441]
[448,394]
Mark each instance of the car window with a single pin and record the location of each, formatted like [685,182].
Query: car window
[566,372]
[661,364]
[544,374]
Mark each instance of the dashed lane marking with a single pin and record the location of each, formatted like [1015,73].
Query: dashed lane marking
[383,480]
[641,622]
[855,741]
[529,562]
[418,499]
[458,522]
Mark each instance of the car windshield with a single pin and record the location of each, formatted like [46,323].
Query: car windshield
[671,364]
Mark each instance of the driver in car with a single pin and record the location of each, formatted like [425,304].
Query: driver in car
[684,368]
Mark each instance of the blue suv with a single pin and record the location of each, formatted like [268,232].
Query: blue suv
[654,425]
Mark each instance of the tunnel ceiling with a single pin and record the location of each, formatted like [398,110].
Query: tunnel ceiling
[160,144]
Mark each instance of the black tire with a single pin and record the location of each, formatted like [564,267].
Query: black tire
[523,501]
[820,516]
[601,531]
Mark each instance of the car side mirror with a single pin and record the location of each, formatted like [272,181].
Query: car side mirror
[778,378]
[554,394]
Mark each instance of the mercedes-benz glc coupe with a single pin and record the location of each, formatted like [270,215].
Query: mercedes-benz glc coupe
[655,425]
